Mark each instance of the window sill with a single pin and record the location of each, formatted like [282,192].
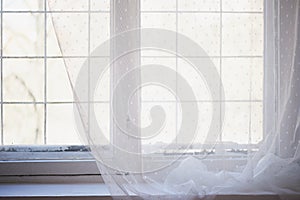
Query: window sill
[95,191]
[29,190]
[73,175]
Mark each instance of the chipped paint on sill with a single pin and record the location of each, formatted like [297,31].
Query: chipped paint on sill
[44,148]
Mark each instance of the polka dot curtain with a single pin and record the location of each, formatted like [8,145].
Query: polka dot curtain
[111,41]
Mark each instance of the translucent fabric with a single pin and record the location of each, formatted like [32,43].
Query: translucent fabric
[170,171]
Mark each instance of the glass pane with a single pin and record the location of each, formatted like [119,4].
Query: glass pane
[167,134]
[100,29]
[242,34]
[23,124]
[68,5]
[158,5]
[203,124]
[256,122]
[59,88]
[157,92]
[257,79]
[23,5]
[58,83]
[61,126]
[23,80]
[236,78]
[195,79]
[75,67]
[23,39]
[159,20]
[236,122]
[75,43]
[102,113]
[239,75]
[242,5]
[103,5]
[203,28]
[53,48]
[199,5]
[102,91]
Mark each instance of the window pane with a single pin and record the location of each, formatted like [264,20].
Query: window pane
[74,43]
[53,48]
[58,83]
[157,92]
[158,5]
[199,5]
[59,88]
[100,29]
[103,5]
[61,127]
[256,122]
[167,134]
[68,5]
[242,34]
[242,5]
[236,78]
[102,113]
[23,124]
[204,121]
[236,122]
[23,80]
[160,21]
[257,79]
[23,5]
[23,39]
[195,79]
[203,28]
[102,91]
[242,78]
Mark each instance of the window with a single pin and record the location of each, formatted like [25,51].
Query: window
[37,102]
[231,32]
[45,44]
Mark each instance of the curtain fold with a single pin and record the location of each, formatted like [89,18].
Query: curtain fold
[273,169]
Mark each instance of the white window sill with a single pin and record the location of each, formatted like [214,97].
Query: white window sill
[54,190]
[95,191]
[71,175]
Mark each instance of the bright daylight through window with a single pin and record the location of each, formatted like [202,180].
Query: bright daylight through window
[37,99]
[151,98]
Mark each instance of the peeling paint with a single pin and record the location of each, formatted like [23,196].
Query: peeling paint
[43,148]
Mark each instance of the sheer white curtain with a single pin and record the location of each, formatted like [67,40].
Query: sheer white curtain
[131,171]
